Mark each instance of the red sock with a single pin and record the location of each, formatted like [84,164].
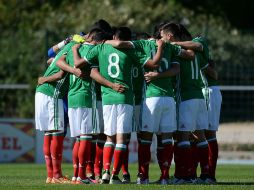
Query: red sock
[202,150]
[119,154]
[56,149]
[167,156]
[125,161]
[90,163]
[84,154]
[194,160]
[213,156]
[159,155]
[75,157]
[47,155]
[108,152]
[144,158]
[98,158]
[183,159]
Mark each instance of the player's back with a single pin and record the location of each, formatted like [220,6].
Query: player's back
[80,88]
[59,88]
[116,66]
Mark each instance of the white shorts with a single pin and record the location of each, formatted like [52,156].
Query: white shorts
[193,115]
[80,120]
[159,115]
[98,120]
[214,106]
[117,119]
[137,119]
[49,113]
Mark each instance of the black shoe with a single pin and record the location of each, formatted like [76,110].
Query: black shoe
[126,178]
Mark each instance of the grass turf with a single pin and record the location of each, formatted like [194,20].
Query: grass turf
[32,176]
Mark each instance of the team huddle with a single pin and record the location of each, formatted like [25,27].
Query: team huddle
[110,83]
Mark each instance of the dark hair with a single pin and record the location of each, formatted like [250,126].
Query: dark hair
[104,26]
[94,31]
[100,36]
[172,28]
[185,34]
[142,35]
[157,29]
[123,33]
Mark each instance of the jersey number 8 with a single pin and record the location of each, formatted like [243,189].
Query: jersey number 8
[113,60]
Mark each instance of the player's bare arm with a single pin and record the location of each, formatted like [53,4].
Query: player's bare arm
[61,63]
[49,61]
[78,61]
[187,54]
[196,46]
[173,71]
[120,44]
[55,77]
[95,74]
[155,62]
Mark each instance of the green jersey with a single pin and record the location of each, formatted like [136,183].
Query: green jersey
[159,87]
[209,81]
[80,94]
[190,77]
[116,66]
[138,83]
[58,88]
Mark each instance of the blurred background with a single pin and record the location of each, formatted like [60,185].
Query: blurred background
[30,27]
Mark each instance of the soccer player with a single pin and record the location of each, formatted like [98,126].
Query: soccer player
[192,111]
[115,66]
[200,45]
[80,102]
[49,116]
[149,47]
[214,106]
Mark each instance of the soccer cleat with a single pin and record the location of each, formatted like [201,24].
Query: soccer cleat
[63,179]
[73,180]
[85,181]
[181,181]
[48,180]
[90,175]
[98,179]
[115,180]
[126,178]
[205,181]
[141,180]
[164,181]
[105,177]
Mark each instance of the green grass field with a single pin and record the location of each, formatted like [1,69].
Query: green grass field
[32,176]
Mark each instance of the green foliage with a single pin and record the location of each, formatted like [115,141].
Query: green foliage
[29,28]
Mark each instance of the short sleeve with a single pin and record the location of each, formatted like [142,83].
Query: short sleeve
[205,48]
[92,57]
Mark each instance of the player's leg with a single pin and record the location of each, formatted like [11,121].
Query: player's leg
[167,127]
[214,108]
[98,162]
[150,122]
[125,163]
[187,115]
[202,144]
[75,132]
[124,128]
[110,126]
[47,156]
[84,155]
[90,163]
[75,160]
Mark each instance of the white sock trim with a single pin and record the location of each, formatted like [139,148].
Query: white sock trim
[183,143]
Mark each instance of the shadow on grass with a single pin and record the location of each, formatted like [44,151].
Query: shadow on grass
[235,183]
